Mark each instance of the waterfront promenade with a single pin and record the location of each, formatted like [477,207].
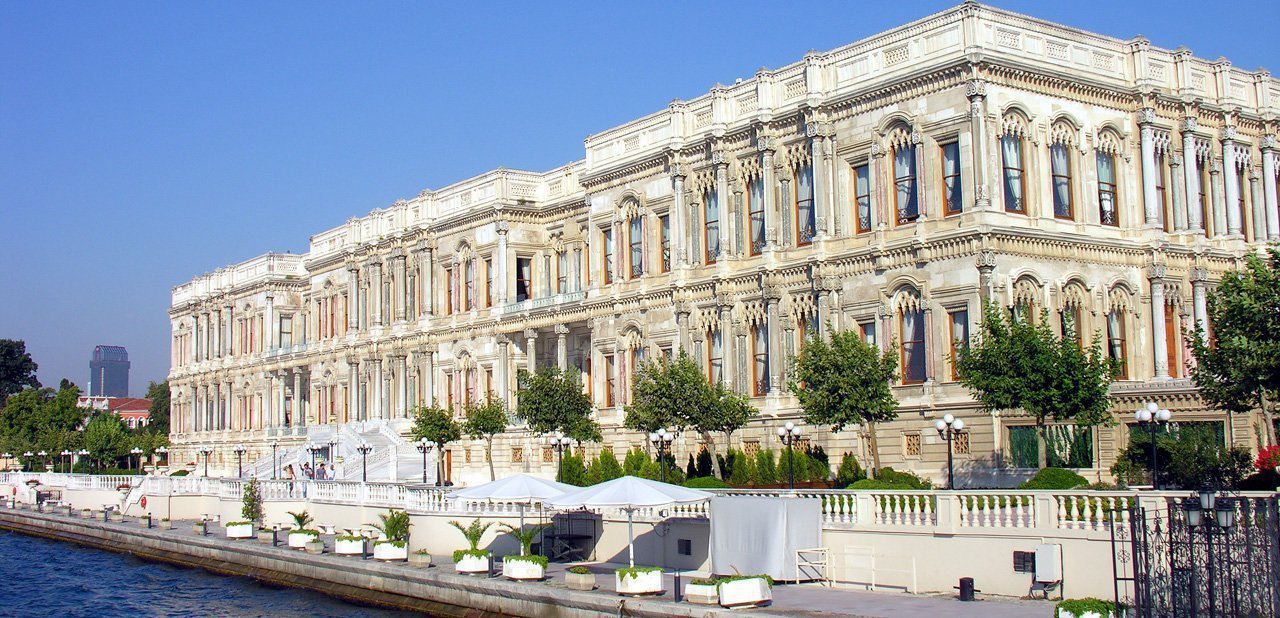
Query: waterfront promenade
[438,591]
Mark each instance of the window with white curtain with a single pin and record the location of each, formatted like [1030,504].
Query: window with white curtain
[904,180]
[1107,213]
[862,198]
[1015,182]
[806,218]
[1060,170]
[607,233]
[755,215]
[664,227]
[562,272]
[952,200]
[760,360]
[524,279]
[1116,348]
[715,358]
[635,236]
[912,346]
[471,284]
[711,238]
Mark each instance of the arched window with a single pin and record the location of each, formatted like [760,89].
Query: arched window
[1013,163]
[806,218]
[911,335]
[862,198]
[635,238]
[755,214]
[760,360]
[715,357]
[711,233]
[906,192]
[1062,139]
[1108,197]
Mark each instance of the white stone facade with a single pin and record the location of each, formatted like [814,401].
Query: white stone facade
[888,185]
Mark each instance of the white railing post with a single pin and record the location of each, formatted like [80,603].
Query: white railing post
[1044,509]
[948,512]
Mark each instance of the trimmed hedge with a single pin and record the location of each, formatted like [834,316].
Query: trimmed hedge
[1055,478]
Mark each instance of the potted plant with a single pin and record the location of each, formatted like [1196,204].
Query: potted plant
[471,560]
[394,544]
[314,546]
[349,544]
[702,592]
[240,530]
[579,578]
[266,535]
[1088,608]
[524,566]
[638,580]
[420,558]
[744,590]
[165,524]
[86,513]
[300,535]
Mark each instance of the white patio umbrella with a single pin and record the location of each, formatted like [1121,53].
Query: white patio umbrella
[629,493]
[521,489]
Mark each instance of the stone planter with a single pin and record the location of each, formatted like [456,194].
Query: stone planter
[240,530]
[315,546]
[102,516]
[472,564]
[145,522]
[515,568]
[299,540]
[1062,613]
[420,560]
[745,592]
[265,537]
[647,582]
[702,594]
[86,513]
[198,527]
[165,525]
[579,581]
[348,547]
[117,517]
[389,552]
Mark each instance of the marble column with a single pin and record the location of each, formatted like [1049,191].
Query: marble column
[282,401]
[1150,198]
[764,145]
[818,165]
[1177,191]
[402,386]
[562,347]
[1231,180]
[1199,299]
[504,362]
[531,350]
[679,244]
[577,268]
[375,288]
[728,341]
[269,323]
[725,203]
[772,294]
[1192,175]
[1160,353]
[683,309]
[353,297]
[399,272]
[977,92]
[353,388]
[986,263]
[1269,186]
[375,384]
[500,263]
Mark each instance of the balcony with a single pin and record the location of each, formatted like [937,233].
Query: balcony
[545,301]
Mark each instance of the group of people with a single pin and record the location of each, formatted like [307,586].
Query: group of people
[320,473]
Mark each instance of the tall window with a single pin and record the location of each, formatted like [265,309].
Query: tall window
[607,262]
[488,282]
[806,222]
[1162,196]
[755,215]
[1171,346]
[1015,177]
[868,330]
[1107,189]
[562,272]
[470,292]
[1206,218]
[1116,348]
[635,237]
[760,360]
[711,239]
[912,347]
[862,198]
[1071,324]
[1060,168]
[449,292]
[664,228]
[286,331]
[524,279]
[952,202]
[959,326]
[715,358]
[904,179]
[610,381]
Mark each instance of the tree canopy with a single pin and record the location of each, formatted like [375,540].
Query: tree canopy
[1240,369]
[846,381]
[484,421]
[17,370]
[552,400]
[436,425]
[158,393]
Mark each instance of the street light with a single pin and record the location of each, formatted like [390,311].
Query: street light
[275,467]
[560,443]
[67,454]
[312,449]
[206,451]
[661,441]
[364,449]
[1206,511]
[28,455]
[333,455]
[137,452]
[1151,415]
[81,455]
[44,459]
[239,451]
[424,447]
[949,427]
[789,434]
[161,451]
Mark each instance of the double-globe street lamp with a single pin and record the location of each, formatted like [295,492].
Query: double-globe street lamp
[424,446]
[275,466]
[67,454]
[1151,415]
[312,449]
[136,455]
[949,427]
[158,453]
[44,460]
[364,449]
[206,451]
[560,443]
[790,434]
[1216,516]
[661,441]
[239,450]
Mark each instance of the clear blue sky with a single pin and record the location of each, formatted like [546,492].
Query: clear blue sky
[145,143]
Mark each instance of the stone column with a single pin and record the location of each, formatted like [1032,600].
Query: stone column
[1217,204]
[353,296]
[577,268]
[269,323]
[562,347]
[1269,186]
[504,362]
[384,393]
[375,288]
[216,331]
[399,272]
[986,264]
[1232,180]
[679,244]
[764,145]
[296,412]
[1199,300]
[1177,188]
[375,385]
[1161,350]
[728,339]
[353,387]
[283,400]
[773,294]
[500,262]
[1150,199]
[977,92]
[1192,175]
[683,309]
[429,377]
[402,394]
[819,158]
[531,350]
[824,309]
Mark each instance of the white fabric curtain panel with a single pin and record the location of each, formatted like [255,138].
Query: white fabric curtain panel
[1061,180]
[904,171]
[1011,151]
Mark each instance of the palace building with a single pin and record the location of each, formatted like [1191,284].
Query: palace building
[889,186]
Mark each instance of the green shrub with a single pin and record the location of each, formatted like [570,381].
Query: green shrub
[534,558]
[572,470]
[743,469]
[180,473]
[905,480]
[604,467]
[850,471]
[634,572]
[394,525]
[459,554]
[819,464]
[1080,607]
[251,501]
[766,469]
[580,570]
[706,482]
[793,464]
[733,578]
[634,462]
[1055,478]
[697,581]
[704,465]
[651,471]
[691,469]
[348,537]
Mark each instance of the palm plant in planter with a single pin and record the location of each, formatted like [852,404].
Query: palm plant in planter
[524,566]
[579,578]
[471,560]
[300,535]
[394,544]
[638,580]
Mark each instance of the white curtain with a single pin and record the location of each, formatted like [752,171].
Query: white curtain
[1061,180]
[526,275]
[1011,151]
[913,346]
[757,215]
[1107,188]
[904,172]
[951,176]
[713,226]
[862,179]
[805,224]
[761,351]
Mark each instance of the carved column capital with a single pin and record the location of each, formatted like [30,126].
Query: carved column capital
[1146,116]
[986,260]
[1156,273]
[975,88]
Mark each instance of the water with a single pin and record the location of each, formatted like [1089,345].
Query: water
[51,578]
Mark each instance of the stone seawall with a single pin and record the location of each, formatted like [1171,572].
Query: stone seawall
[433,591]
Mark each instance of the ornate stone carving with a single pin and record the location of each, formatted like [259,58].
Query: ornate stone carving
[1189,123]
[1176,160]
[1146,115]
[1199,275]
[917,137]
[986,259]
[876,149]
[561,329]
[1269,142]
[764,143]
[502,226]
[718,157]
[530,333]
[811,129]
[677,170]
[1156,272]
[975,88]
[1228,133]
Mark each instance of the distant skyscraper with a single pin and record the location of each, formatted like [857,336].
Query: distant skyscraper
[109,372]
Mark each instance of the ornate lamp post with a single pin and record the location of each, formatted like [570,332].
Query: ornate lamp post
[333,455]
[789,434]
[312,449]
[67,454]
[206,451]
[28,455]
[1151,415]
[948,428]
[560,443]
[661,441]
[81,454]
[275,463]
[425,447]
[239,451]
[364,449]
[1216,516]
[137,456]
[44,461]
[164,452]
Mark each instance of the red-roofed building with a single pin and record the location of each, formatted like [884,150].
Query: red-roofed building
[134,411]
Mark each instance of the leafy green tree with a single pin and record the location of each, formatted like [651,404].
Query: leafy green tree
[1017,364]
[437,426]
[552,400]
[634,462]
[572,470]
[1191,456]
[106,438]
[17,370]
[604,467]
[1240,369]
[742,469]
[484,421]
[766,472]
[251,501]
[846,381]
[158,393]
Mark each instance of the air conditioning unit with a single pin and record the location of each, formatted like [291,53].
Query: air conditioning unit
[1048,563]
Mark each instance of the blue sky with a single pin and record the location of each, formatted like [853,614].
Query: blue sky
[144,143]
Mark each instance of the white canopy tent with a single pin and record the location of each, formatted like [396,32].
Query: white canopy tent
[629,493]
[520,489]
